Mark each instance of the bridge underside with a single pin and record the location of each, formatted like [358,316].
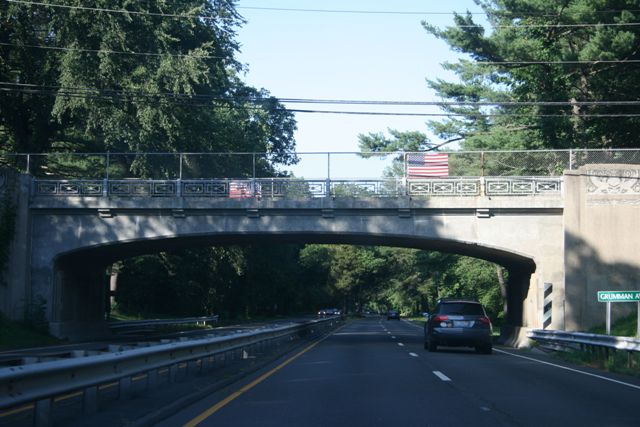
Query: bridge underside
[81,283]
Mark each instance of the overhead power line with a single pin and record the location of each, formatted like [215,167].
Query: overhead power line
[121,11]
[456,103]
[112,52]
[394,12]
[347,11]
[256,104]
[585,62]
[77,90]
[154,54]
[205,17]
[478,114]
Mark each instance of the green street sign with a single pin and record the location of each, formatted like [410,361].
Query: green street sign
[618,296]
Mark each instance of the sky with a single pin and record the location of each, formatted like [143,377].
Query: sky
[354,56]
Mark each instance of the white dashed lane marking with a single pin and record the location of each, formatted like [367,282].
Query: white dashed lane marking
[442,376]
[413,354]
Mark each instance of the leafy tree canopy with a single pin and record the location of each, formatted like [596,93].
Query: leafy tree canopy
[160,77]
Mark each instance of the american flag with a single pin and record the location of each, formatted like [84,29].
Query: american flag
[242,189]
[423,165]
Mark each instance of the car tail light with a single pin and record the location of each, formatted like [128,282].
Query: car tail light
[485,320]
[440,318]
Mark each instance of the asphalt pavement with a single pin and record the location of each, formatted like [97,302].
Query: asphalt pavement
[375,372]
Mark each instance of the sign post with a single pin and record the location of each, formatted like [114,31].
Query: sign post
[619,296]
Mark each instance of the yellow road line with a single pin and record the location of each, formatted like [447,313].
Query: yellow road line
[27,407]
[215,408]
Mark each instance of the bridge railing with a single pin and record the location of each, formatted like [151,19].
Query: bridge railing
[291,188]
[309,166]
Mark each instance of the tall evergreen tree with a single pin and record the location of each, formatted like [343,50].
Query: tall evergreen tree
[578,53]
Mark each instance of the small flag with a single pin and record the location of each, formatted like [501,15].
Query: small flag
[423,165]
[242,189]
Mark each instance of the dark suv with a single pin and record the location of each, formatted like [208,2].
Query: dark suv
[458,322]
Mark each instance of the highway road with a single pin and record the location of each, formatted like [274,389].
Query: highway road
[375,372]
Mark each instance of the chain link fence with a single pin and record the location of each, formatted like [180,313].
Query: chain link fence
[308,165]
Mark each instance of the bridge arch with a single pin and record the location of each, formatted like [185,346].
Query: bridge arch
[79,284]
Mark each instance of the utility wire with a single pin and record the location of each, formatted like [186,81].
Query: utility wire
[187,16]
[186,101]
[457,103]
[375,113]
[116,52]
[111,52]
[122,11]
[391,12]
[76,90]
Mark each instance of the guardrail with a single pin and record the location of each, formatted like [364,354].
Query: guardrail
[582,341]
[123,325]
[40,383]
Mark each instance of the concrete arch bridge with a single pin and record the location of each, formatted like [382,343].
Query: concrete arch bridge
[561,238]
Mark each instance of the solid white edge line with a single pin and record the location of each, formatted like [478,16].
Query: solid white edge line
[442,376]
[569,369]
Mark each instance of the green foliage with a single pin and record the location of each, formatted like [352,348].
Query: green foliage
[234,281]
[15,335]
[540,51]
[625,327]
[268,279]
[134,82]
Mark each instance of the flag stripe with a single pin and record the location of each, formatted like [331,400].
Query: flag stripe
[422,165]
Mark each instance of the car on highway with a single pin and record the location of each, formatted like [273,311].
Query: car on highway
[329,312]
[393,314]
[458,322]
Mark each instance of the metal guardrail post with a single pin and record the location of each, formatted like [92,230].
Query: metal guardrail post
[43,413]
[90,400]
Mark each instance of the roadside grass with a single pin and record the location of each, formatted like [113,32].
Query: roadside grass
[624,327]
[620,362]
[16,335]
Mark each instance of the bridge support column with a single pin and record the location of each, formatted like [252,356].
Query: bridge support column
[79,301]
[513,332]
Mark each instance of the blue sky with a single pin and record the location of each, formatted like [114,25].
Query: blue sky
[361,56]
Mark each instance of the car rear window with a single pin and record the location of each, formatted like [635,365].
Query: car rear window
[461,308]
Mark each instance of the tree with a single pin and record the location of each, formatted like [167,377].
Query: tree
[573,52]
[25,120]
[135,77]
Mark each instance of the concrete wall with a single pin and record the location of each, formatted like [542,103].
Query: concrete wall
[602,240]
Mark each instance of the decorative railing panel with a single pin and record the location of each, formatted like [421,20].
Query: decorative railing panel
[514,186]
[441,187]
[282,188]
